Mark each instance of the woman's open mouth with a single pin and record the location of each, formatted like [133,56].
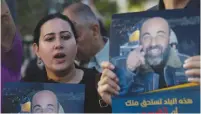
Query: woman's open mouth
[60,58]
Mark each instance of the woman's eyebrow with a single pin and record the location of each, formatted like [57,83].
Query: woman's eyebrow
[49,34]
[64,32]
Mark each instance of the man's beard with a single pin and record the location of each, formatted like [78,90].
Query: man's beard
[158,60]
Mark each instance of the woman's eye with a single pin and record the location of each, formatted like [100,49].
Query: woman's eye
[49,39]
[66,37]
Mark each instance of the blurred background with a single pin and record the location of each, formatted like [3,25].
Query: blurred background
[27,13]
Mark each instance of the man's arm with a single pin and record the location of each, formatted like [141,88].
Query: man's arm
[8,29]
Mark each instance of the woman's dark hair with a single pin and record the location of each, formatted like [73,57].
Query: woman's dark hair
[50,17]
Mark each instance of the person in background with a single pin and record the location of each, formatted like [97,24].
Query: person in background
[100,18]
[11,47]
[108,84]
[13,9]
[93,48]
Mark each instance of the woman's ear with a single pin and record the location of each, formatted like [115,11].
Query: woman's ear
[36,49]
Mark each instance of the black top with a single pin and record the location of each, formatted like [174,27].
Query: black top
[33,69]
[90,79]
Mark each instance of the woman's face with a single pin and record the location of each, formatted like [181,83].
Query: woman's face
[57,46]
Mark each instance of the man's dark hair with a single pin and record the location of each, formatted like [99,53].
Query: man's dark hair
[82,11]
[50,17]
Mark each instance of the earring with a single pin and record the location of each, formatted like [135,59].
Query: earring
[39,61]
